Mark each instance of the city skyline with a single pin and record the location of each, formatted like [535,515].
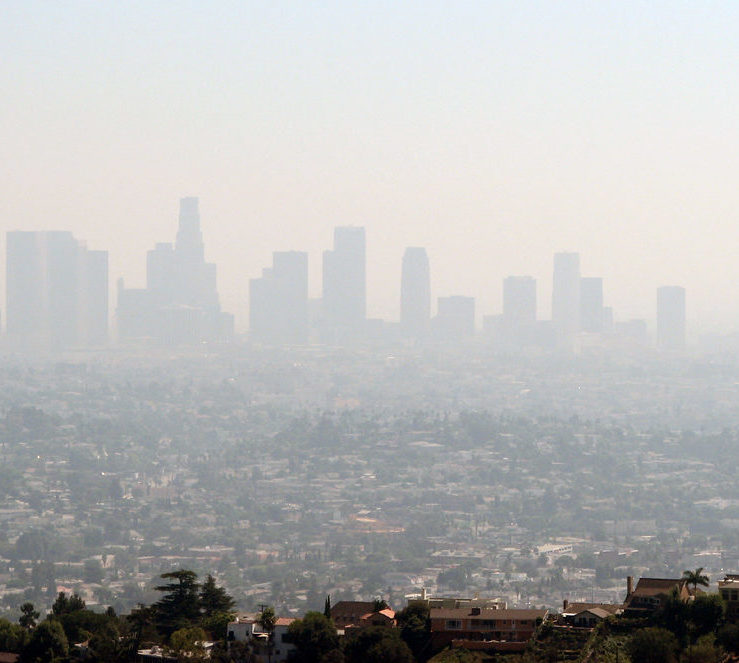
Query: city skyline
[491,134]
[180,302]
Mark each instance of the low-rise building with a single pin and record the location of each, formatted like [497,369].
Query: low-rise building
[483,625]
[729,590]
[651,593]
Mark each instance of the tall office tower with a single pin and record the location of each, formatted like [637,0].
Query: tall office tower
[415,293]
[566,296]
[344,282]
[180,303]
[178,274]
[671,317]
[96,297]
[25,286]
[519,301]
[56,291]
[592,315]
[278,301]
[455,318]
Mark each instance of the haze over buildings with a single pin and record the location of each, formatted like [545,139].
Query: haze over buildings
[57,299]
[603,127]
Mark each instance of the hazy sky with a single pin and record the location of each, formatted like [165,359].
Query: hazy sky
[492,133]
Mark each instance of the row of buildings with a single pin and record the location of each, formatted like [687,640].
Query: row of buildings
[484,624]
[57,297]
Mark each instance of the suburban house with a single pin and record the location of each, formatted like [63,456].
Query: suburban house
[247,629]
[729,590]
[483,628]
[587,615]
[357,614]
[457,601]
[650,593]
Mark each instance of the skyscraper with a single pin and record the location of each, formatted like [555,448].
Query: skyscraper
[278,301]
[566,296]
[344,282]
[415,293]
[519,301]
[180,303]
[56,291]
[671,318]
[592,315]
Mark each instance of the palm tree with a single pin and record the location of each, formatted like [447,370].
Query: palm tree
[696,578]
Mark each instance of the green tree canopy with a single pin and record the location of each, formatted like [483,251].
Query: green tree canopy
[187,644]
[47,644]
[707,613]
[313,636]
[29,615]
[13,637]
[64,605]
[180,606]
[653,645]
[376,644]
[214,599]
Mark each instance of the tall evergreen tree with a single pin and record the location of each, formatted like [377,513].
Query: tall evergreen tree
[180,605]
[214,599]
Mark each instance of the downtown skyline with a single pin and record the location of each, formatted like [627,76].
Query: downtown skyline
[282,310]
[493,135]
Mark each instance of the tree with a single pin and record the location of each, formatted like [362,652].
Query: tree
[232,652]
[415,629]
[186,644]
[696,578]
[653,645]
[313,636]
[180,606]
[64,605]
[376,644]
[327,607]
[267,620]
[217,624]
[47,644]
[13,637]
[379,604]
[214,599]
[707,613]
[29,615]
[728,638]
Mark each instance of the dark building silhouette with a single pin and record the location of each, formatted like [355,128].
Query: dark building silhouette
[180,302]
[415,294]
[671,318]
[566,297]
[278,301]
[455,318]
[57,291]
[592,314]
[344,284]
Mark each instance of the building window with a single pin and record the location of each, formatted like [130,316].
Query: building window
[453,624]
